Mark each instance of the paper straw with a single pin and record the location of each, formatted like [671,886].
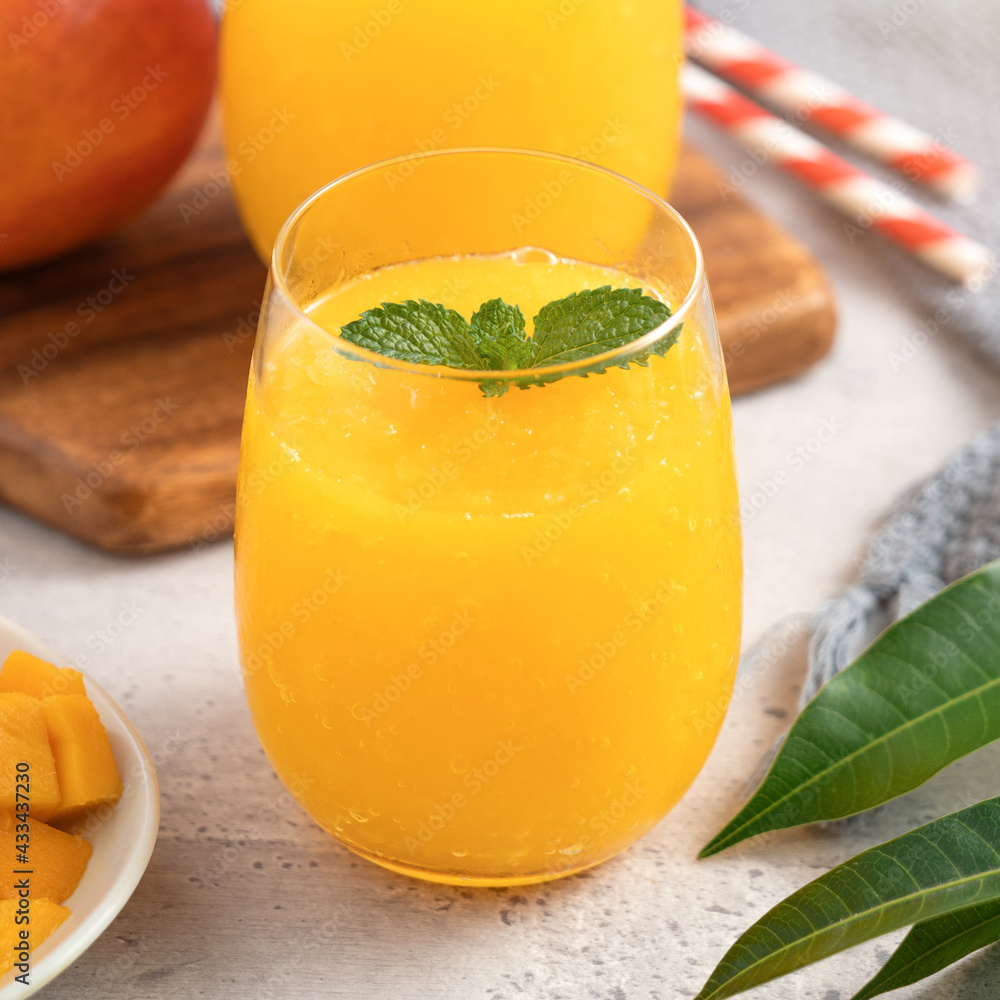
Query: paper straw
[810,97]
[869,203]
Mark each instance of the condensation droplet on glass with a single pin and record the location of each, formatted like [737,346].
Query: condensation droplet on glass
[572,849]
[358,817]
[326,722]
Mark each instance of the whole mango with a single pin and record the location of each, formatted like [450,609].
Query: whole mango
[100,103]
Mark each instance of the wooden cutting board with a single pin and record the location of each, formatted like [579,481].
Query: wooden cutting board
[123,366]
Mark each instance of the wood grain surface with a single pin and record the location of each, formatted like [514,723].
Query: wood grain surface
[123,366]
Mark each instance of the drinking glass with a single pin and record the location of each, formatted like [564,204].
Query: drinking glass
[485,640]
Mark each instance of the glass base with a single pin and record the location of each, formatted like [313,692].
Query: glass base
[484,881]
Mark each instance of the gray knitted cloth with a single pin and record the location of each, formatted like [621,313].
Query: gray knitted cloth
[939,531]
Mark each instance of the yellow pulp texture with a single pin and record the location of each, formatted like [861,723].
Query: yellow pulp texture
[485,640]
[314,91]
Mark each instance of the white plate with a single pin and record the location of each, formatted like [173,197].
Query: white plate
[122,843]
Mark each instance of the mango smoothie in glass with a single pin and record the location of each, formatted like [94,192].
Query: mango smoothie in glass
[314,89]
[486,629]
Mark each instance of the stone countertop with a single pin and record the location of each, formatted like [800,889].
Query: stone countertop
[245,897]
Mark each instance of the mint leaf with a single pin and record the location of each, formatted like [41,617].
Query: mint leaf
[421,332]
[597,320]
[500,338]
[575,328]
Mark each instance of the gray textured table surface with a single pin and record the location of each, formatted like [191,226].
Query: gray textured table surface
[244,897]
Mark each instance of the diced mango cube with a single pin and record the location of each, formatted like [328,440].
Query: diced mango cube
[24,739]
[84,762]
[44,917]
[57,860]
[30,675]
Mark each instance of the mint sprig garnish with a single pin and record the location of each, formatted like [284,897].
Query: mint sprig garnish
[580,326]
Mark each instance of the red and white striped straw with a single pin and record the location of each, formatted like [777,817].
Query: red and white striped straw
[868,202]
[810,97]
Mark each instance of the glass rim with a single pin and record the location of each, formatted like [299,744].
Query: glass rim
[583,365]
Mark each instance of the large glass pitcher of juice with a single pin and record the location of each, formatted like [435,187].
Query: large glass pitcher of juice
[314,89]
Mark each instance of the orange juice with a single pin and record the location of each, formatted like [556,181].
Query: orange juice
[484,640]
[314,89]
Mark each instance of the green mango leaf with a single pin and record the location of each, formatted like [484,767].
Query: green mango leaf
[948,865]
[924,694]
[934,944]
